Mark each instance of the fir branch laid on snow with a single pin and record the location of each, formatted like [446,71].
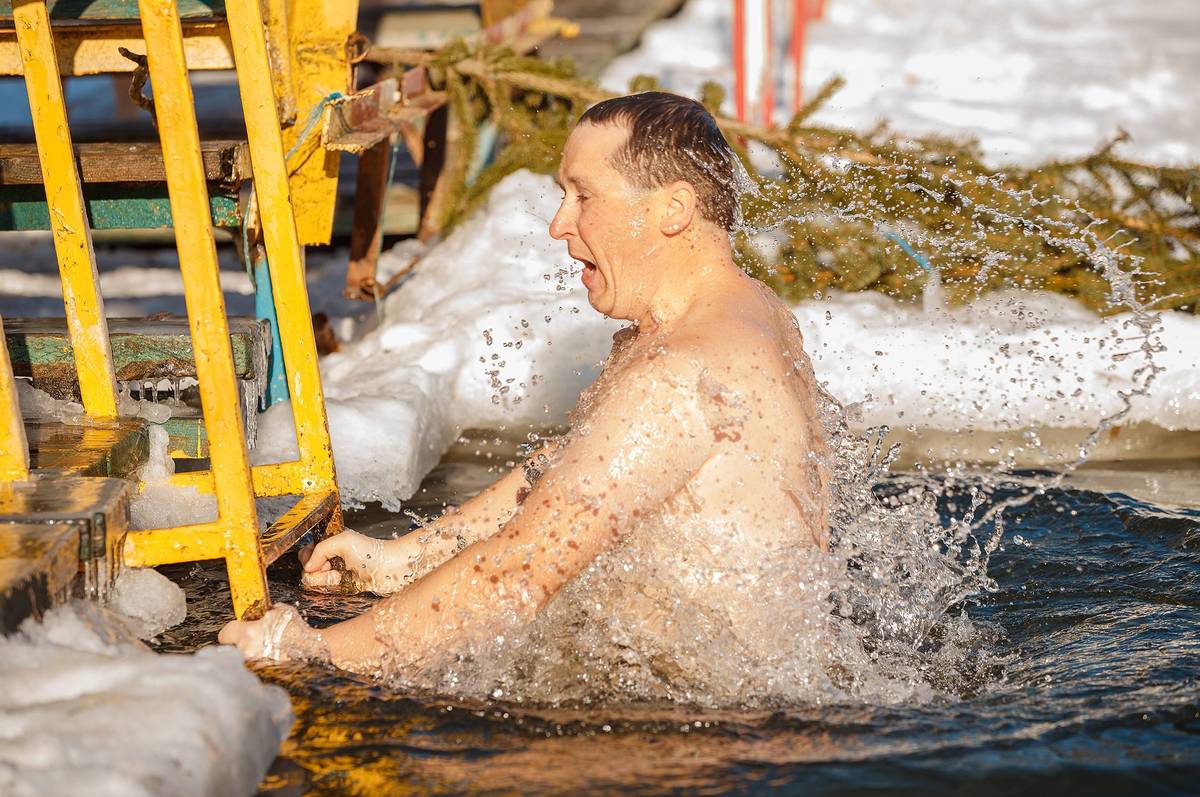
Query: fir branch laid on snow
[836,209]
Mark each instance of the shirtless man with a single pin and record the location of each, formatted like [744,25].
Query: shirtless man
[704,420]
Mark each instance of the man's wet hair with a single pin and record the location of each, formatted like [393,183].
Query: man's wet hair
[673,138]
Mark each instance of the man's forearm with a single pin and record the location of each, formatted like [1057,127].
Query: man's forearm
[476,520]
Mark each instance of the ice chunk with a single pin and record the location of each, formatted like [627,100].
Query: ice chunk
[38,404]
[160,504]
[85,709]
[1012,360]
[151,600]
[150,410]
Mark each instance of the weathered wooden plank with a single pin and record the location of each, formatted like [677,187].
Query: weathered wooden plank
[142,350]
[96,508]
[109,449]
[225,161]
[98,12]
[308,513]
[94,51]
[113,206]
[38,566]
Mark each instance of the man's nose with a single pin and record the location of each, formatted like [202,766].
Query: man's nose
[561,226]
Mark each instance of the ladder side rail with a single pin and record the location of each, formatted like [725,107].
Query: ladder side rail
[179,134]
[284,256]
[84,305]
[14,450]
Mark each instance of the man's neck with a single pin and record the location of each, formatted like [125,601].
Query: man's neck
[692,269]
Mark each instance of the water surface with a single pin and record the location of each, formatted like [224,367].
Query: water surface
[1083,678]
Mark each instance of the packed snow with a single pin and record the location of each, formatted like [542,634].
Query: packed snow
[493,330]
[158,504]
[87,709]
[1032,80]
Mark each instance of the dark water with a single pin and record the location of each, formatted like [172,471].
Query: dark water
[1089,683]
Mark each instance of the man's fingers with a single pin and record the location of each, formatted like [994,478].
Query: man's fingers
[231,634]
[321,554]
[322,578]
[305,553]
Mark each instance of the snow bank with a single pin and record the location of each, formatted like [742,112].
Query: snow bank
[1011,360]
[1032,80]
[86,709]
[494,330]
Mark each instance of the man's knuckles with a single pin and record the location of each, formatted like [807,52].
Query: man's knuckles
[322,578]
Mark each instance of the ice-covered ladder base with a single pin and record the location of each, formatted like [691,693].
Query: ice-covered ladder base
[57,539]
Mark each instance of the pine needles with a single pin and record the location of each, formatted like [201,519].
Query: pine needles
[829,209]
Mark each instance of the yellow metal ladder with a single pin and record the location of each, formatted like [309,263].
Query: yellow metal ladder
[234,535]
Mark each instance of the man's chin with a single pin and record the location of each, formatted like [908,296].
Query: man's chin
[600,303]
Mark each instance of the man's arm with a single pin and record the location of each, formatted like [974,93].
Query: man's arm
[641,445]
[395,563]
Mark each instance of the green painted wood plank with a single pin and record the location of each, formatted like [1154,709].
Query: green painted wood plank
[110,11]
[187,435]
[112,206]
[40,349]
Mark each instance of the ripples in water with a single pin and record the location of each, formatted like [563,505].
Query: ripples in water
[1081,678]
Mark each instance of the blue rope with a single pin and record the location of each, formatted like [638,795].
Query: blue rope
[896,238]
[314,116]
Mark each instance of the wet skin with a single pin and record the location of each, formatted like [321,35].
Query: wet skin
[704,417]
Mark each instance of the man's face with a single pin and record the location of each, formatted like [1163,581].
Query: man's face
[608,226]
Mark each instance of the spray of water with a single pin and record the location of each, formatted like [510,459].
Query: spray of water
[673,614]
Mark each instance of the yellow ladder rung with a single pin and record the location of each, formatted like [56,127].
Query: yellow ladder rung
[174,545]
[308,513]
[281,478]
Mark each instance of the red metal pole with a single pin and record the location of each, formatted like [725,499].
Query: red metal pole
[739,58]
[800,14]
[767,78]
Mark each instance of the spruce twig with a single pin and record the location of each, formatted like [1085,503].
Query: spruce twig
[1039,227]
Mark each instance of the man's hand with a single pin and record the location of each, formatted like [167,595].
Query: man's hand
[371,565]
[280,635]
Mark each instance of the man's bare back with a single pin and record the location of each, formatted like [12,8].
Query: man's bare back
[699,449]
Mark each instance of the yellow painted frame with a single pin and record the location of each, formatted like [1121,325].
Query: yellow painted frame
[234,535]
[14,450]
[86,325]
[318,31]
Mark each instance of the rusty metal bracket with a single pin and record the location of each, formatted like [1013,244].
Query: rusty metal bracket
[361,120]
[370,123]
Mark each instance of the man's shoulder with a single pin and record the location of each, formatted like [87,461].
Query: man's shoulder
[719,336]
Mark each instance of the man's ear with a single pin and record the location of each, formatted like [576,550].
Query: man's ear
[680,208]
